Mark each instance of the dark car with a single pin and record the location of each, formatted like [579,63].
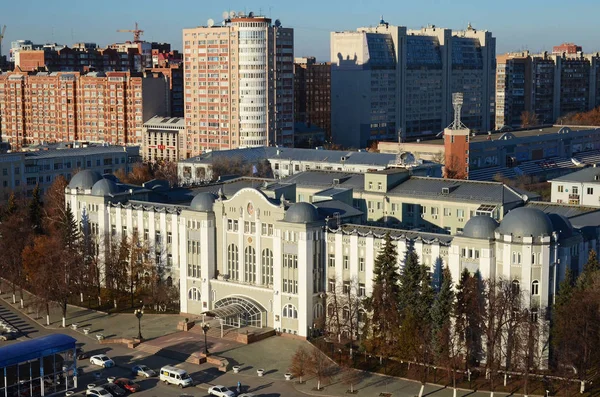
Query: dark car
[115,390]
[81,354]
[127,384]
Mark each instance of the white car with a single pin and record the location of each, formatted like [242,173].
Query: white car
[143,370]
[220,391]
[98,392]
[102,360]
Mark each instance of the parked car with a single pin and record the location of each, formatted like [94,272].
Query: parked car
[102,360]
[220,391]
[127,384]
[143,370]
[98,392]
[115,390]
[7,335]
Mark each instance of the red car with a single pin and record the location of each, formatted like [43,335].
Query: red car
[127,384]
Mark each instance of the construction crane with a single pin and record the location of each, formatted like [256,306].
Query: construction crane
[136,32]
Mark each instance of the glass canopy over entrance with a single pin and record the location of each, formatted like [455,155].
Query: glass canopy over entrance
[238,312]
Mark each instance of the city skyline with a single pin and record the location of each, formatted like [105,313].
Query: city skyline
[516,25]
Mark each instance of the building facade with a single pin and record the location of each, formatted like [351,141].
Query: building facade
[548,86]
[163,139]
[253,250]
[69,106]
[239,89]
[23,171]
[312,93]
[390,83]
[577,188]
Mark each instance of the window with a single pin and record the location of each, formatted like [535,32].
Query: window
[561,188]
[476,254]
[267,267]
[346,287]
[169,238]
[361,290]
[289,311]
[516,287]
[434,211]
[194,294]
[250,265]
[447,212]
[331,285]
[535,285]
[361,264]
[331,260]
[460,213]
[423,210]
[346,262]
[575,190]
[232,261]
[379,186]
[590,190]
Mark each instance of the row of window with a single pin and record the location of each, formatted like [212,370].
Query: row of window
[250,265]
[346,262]
[347,288]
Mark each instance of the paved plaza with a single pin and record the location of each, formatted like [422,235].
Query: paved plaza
[272,354]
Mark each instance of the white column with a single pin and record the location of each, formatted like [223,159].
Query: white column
[175,245]
[241,247]
[183,275]
[258,247]
[277,252]
[207,258]
[118,222]
[369,264]
[545,288]
[354,256]
[129,221]
[305,285]
[339,256]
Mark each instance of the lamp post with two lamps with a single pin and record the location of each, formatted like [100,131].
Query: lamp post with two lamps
[139,313]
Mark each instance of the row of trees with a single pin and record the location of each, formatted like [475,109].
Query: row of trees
[144,172]
[48,253]
[475,323]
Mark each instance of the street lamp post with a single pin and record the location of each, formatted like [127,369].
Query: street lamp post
[205,328]
[139,313]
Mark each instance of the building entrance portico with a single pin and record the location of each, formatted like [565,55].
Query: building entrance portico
[238,312]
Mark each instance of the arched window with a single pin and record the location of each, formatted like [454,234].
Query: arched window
[169,281]
[535,288]
[346,313]
[267,267]
[232,261]
[318,311]
[362,316]
[290,311]
[330,310]
[516,287]
[250,265]
[194,294]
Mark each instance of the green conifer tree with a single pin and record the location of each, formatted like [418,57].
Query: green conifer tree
[441,316]
[35,210]
[383,303]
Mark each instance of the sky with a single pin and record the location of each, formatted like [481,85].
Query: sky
[534,25]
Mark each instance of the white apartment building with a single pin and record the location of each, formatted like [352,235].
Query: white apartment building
[389,82]
[239,84]
[579,188]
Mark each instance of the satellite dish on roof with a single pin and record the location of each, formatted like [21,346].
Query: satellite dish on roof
[225,14]
[251,14]
[210,23]
[241,14]
[232,14]
[277,23]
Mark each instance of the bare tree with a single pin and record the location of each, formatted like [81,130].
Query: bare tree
[349,375]
[529,119]
[320,367]
[301,360]
[166,170]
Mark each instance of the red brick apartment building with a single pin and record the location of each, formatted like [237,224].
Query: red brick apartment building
[72,106]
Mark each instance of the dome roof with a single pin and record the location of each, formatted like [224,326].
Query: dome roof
[203,202]
[301,213]
[561,225]
[105,187]
[481,226]
[84,179]
[525,222]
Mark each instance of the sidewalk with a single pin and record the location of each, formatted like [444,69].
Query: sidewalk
[119,325]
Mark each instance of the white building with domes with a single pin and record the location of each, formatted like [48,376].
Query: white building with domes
[244,251]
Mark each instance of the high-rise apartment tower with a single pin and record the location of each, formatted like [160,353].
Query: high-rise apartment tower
[238,84]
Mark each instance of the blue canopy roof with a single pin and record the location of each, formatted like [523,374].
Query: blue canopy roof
[35,348]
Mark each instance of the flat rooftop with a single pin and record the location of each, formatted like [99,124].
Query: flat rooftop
[497,135]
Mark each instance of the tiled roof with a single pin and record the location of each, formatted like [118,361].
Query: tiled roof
[589,175]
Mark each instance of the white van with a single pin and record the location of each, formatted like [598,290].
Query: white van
[176,376]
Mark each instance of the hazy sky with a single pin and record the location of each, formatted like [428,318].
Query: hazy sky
[536,25]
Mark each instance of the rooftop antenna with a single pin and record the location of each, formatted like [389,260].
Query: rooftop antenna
[457,103]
